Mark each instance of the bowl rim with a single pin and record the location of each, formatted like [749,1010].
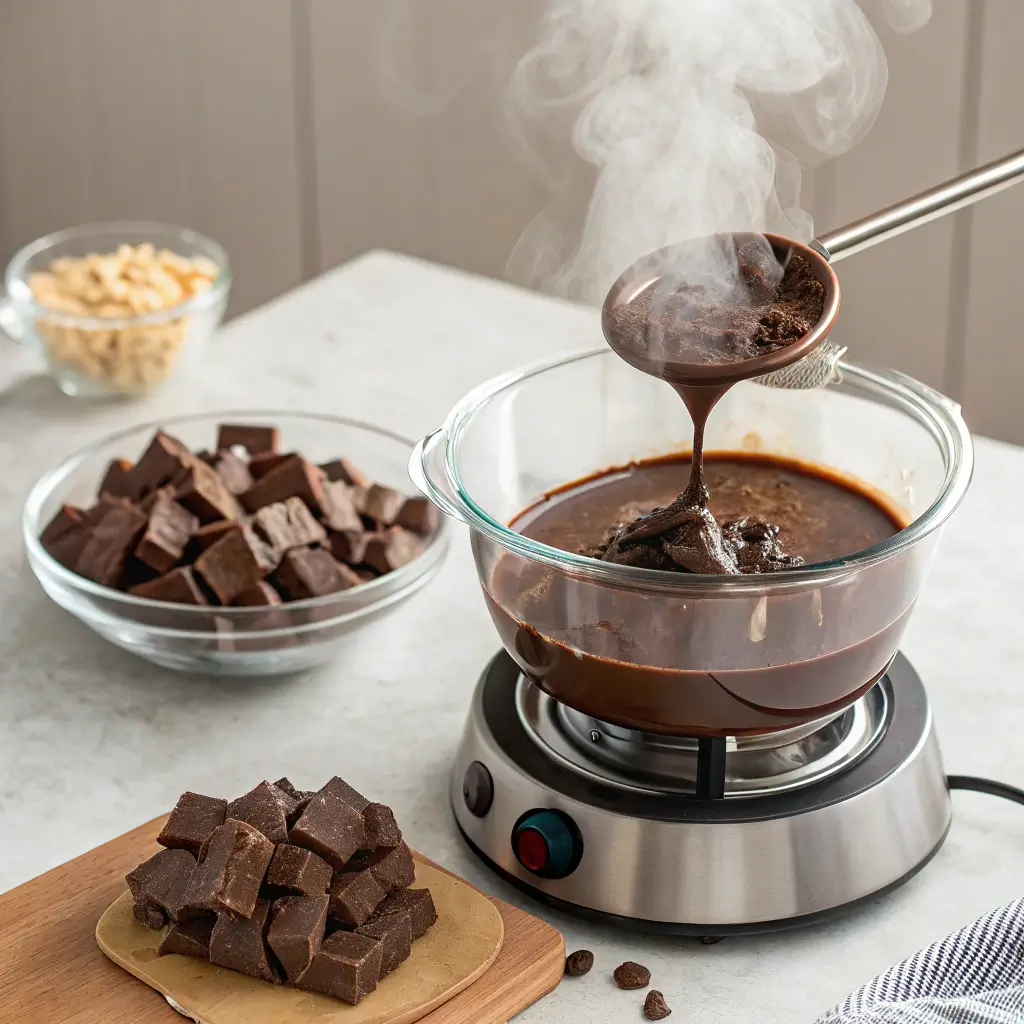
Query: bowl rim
[18,291]
[390,587]
[934,411]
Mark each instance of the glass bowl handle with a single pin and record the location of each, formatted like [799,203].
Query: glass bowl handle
[426,468]
[10,323]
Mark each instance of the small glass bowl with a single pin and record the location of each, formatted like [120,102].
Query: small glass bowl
[228,641]
[94,356]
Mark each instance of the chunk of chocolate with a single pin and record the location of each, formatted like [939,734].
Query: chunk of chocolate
[299,871]
[382,504]
[164,459]
[419,515]
[116,481]
[255,440]
[296,930]
[265,808]
[342,469]
[67,520]
[355,895]
[313,572]
[232,470]
[381,828]
[392,869]
[230,870]
[418,903]
[262,595]
[158,886]
[234,564]
[631,975]
[288,524]
[239,943]
[293,478]
[331,825]
[341,512]
[347,967]
[178,586]
[391,549]
[349,545]
[166,534]
[208,535]
[110,541]
[260,465]
[189,938]
[394,933]
[192,822]
[201,490]
[300,796]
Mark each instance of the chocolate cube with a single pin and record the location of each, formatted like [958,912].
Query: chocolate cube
[382,504]
[300,796]
[347,967]
[349,545]
[164,459]
[158,886]
[342,469]
[341,512]
[201,490]
[189,938]
[265,808]
[239,943]
[391,549]
[111,540]
[293,478]
[232,470]
[116,481]
[192,822]
[355,895]
[332,824]
[67,520]
[230,870]
[313,572]
[381,828]
[419,515]
[234,564]
[260,465]
[296,931]
[392,869]
[208,535]
[288,524]
[263,595]
[299,871]
[178,586]
[418,903]
[255,440]
[394,933]
[166,535]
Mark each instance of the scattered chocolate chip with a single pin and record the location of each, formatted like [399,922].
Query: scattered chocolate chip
[655,1007]
[630,975]
[579,963]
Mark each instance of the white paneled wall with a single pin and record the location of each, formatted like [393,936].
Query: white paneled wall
[303,132]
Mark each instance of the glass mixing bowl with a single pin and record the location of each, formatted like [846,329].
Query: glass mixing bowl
[690,654]
[253,641]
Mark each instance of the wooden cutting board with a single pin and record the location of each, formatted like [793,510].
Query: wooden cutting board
[51,968]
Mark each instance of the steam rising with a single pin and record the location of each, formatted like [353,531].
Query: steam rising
[686,111]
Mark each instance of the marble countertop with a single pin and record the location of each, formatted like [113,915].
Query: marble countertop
[94,741]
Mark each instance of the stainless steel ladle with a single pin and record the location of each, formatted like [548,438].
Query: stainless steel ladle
[811,361]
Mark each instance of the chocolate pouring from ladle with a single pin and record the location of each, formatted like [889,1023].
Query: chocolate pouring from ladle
[813,360]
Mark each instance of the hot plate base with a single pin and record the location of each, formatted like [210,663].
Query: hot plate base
[663,861]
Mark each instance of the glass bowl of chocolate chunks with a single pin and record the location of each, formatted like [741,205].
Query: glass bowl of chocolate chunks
[237,543]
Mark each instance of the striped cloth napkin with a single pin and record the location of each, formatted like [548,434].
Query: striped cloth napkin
[974,976]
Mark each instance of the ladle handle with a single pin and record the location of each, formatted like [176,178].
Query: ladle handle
[936,202]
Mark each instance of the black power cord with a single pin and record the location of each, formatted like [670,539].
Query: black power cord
[973,783]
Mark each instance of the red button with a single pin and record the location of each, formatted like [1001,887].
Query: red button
[532,849]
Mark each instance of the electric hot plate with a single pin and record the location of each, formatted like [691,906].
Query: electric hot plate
[705,837]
